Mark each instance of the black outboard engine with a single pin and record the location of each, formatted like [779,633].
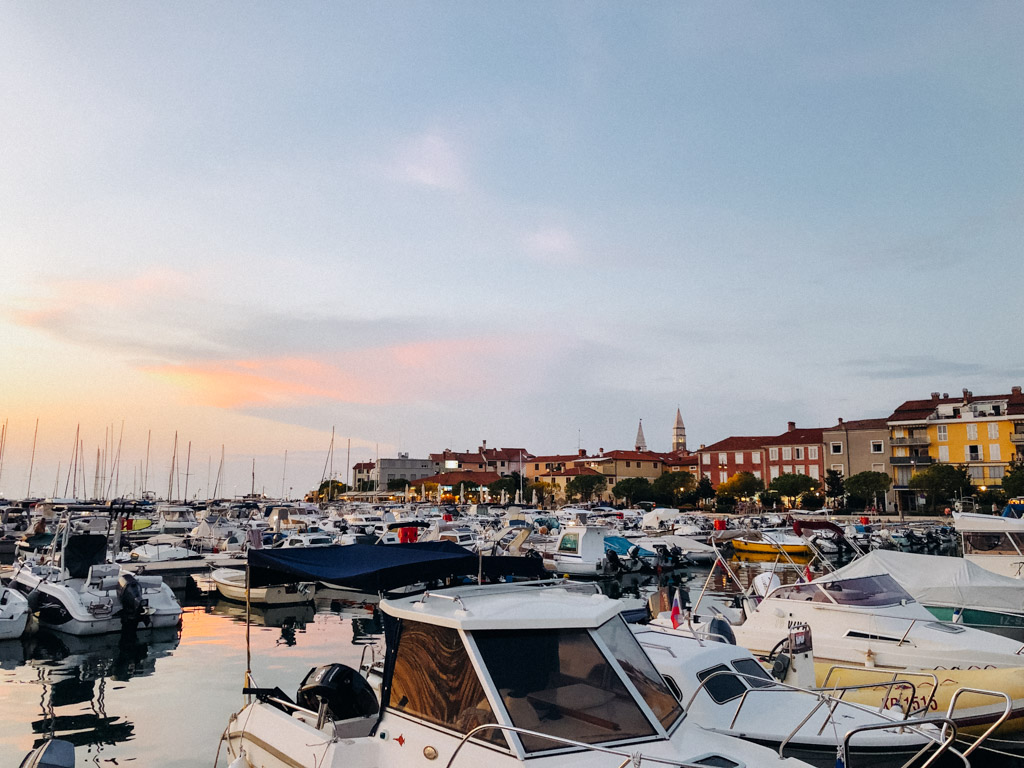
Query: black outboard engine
[343,691]
[133,604]
[614,563]
[721,631]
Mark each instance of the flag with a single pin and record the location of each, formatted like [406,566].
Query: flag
[677,610]
[808,577]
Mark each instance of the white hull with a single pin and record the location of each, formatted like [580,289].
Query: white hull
[231,586]
[13,614]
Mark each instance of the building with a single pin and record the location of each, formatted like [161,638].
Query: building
[537,467]
[982,433]
[559,478]
[679,435]
[720,461]
[403,468]
[618,465]
[504,461]
[363,474]
[852,447]
[796,452]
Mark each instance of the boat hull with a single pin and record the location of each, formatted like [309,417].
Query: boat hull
[231,586]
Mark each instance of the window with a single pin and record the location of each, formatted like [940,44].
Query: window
[723,458]
[435,681]
[836,448]
[876,446]
[991,543]
[993,431]
[898,432]
[757,473]
[943,433]
[812,452]
[799,454]
[705,458]
[638,464]
[557,681]
[813,471]
[721,687]
[972,431]
[640,670]
[878,467]
[972,452]
[773,454]
[944,454]
[570,542]
[996,473]
[755,457]
[787,469]
[739,457]
[774,472]
[838,468]
[799,469]
[997,410]
[994,454]
[787,453]
[976,473]
[723,477]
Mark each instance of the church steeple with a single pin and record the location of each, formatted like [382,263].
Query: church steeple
[641,443]
[679,434]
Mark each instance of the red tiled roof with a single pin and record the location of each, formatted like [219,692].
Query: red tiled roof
[462,476]
[736,443]
[860,424]
[555,459]
[572,472]
[622,456]
[364,465]
[796,437]
[918,410]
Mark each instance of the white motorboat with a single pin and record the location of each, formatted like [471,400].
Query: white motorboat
[75,588]
[584,551]
[992,541]
[231,584]
[159,549]
[13,613]
[499,675]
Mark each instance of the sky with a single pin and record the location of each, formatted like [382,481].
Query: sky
[426,225]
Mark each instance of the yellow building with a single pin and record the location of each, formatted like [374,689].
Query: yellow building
[983,434]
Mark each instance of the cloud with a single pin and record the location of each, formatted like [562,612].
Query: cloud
[430,160]
[553,244]
[928,366]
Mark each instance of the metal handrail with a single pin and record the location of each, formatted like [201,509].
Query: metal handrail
[635,758]
[943,747]
[888,684]
[991,729]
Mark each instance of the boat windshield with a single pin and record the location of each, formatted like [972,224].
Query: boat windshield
[874,591]
[558,682]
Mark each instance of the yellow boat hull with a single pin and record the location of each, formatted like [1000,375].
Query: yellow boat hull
[973,713]
[742,547]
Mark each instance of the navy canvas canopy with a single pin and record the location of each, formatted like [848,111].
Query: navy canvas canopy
[378,568]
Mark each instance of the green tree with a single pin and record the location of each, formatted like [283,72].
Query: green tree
[835,488]
[865,487]
[586,486]
[398,484]
[1013,480]
[543,490]
[632,489]
[791,485]
[672,488]
[705,490]
[942,482]
[740,485]
[509,484]
[812,501]
[329,489]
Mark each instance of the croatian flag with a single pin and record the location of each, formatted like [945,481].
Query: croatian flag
[677,610]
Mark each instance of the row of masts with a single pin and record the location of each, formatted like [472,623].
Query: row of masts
[106,481]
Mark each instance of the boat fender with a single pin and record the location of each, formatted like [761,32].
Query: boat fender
[133,604]
[721,630]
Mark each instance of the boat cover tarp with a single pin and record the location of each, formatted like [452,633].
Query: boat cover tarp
[377,568]
[939,580]
[1015,509]
[621,545]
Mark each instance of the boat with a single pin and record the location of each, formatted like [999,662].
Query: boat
[13,613]
[231,583]
[76,589]
[951,588]
[995,542]
[52,753]
[770,542]
[497,675]
[592,551]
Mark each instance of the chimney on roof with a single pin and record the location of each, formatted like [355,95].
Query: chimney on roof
[968,395]
[1015,390]
[702,446]
[791,426]
[582,452]
[483,447]
[600,451]
[840,421]
[945,395]
[935,397]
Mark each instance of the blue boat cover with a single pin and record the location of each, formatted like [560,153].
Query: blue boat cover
[377,568]
[1014,509]
[622,545]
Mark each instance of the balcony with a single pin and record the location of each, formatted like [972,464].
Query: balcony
[908,441]
[1017,437]
[911,461]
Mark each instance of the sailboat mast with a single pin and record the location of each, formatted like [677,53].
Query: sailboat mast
[188,464]
[145,474]
[284,472]
[170,478]
[32,463]
[3,444]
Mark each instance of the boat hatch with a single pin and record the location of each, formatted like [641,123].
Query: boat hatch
[576,684]
[940,627]
[725,687]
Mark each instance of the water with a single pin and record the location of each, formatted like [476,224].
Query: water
[163,699]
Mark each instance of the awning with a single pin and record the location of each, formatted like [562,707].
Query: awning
[377,568]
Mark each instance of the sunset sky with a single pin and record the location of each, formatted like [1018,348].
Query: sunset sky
[432,224]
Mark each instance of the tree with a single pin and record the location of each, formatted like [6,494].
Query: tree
[586,486]
[740,485]
[398,484]
[543,490]
[834,486]
[866,487]
[671,488]
[632,489]
[705,490]
[791,485]
[1013,480]
[329,489]
[942,482]
[364,486]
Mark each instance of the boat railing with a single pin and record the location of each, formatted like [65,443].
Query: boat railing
[899,677]
[947,734]
[494,589]
[992,728]
[631,758]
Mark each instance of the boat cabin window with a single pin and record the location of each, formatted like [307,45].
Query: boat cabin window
[558,682]
[640,670]
[995,543]
[759,678]
[434,680]
[722,687]
[570,542]
[871,591]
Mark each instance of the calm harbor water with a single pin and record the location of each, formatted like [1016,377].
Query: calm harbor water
[162,700]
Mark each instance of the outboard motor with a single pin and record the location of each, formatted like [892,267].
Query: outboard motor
[338,690]
[614,563]
[133,605]
[721,630]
